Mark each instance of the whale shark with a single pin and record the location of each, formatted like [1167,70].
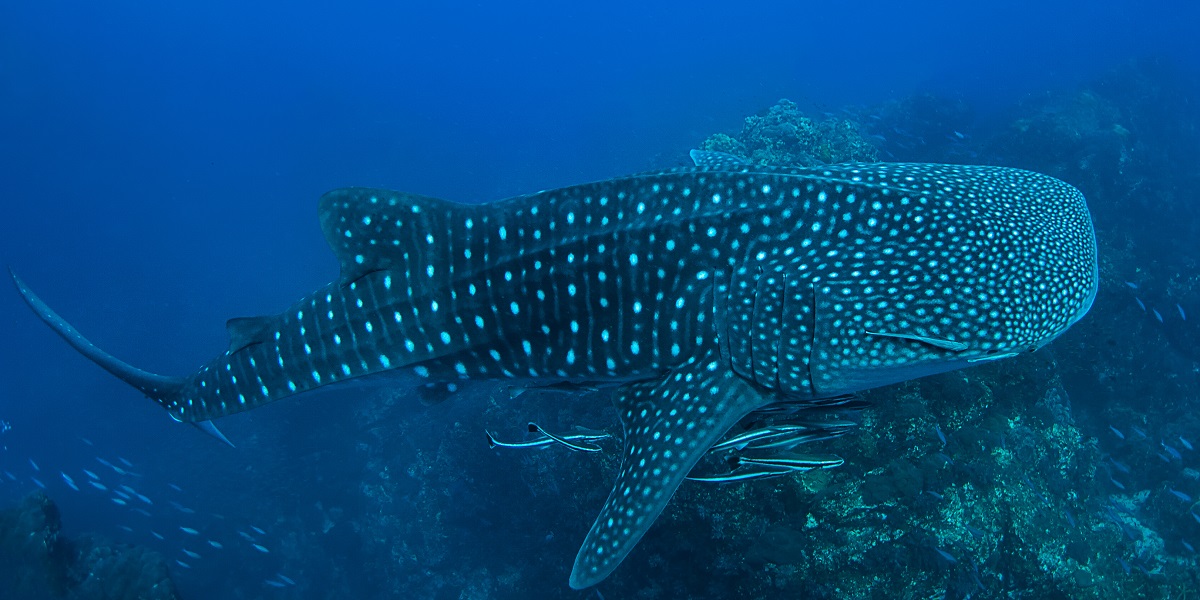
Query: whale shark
[699,294]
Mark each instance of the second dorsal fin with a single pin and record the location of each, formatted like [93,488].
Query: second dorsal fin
[247,331]
[717,160]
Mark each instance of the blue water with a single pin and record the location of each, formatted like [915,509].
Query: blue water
[160,165]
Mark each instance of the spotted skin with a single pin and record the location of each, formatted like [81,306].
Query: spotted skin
[706,292]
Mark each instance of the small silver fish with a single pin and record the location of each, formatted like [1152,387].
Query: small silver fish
[583,435]
[257,530]
[794,462]
[1141,304]
[189,531]
[285,579]
[1117,432]
[1178,494]
[34,465]
[1157,315]
[1182,315]
[215,544]
[583,447]
[1186,444]
[157,535]
[38,482]
[941,436]
[1132,285]
[118,501]
[788,440]
[191,554]
[122,459]
[744,473]
[741,440]
[98,485]
[182,564]
[70,482]
[534,443]
[784,435]
[181,508]
[90,474]
[274,584]
[1138,430]
[261,548]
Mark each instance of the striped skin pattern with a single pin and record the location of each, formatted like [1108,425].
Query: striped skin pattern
[704,292]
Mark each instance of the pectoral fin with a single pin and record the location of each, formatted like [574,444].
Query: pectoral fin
[669,424]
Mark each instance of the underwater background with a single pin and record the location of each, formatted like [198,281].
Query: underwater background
[159,170]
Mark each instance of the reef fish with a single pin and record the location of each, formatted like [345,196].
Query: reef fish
[581,435]
[700,293]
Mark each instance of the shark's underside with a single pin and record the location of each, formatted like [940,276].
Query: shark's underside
[705,292]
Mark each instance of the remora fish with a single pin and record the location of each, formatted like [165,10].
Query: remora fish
[705,292]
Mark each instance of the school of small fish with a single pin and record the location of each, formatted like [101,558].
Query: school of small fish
[1157,315]
[117,486]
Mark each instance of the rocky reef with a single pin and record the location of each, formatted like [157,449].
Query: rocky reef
[784,136]
[38,561]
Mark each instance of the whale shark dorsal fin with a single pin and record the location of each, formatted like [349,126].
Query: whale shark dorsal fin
[247,331]
[374,230]
[716,160]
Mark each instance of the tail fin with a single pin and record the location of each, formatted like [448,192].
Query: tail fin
[153,386]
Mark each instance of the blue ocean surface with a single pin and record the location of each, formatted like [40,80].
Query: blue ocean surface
[160,167]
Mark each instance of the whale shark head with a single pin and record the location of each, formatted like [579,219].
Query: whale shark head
[965,265]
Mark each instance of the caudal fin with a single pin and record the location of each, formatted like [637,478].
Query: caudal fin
[153,386]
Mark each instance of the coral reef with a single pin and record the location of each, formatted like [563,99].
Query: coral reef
[784,136]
